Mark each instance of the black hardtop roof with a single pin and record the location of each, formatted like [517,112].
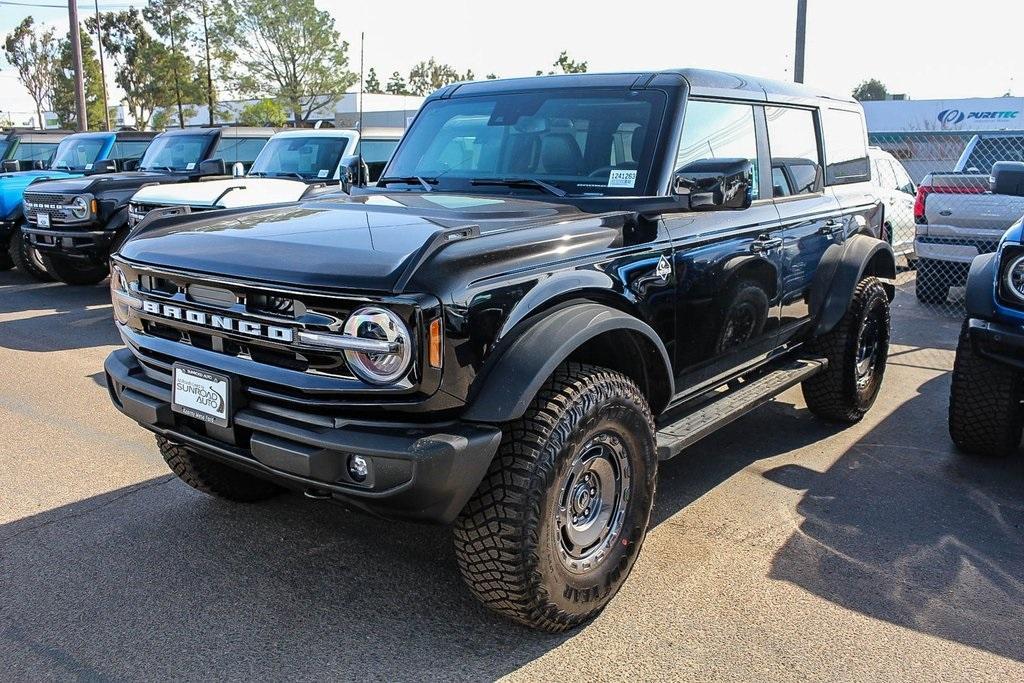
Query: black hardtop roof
[9,132]
[700,81]
[229,131]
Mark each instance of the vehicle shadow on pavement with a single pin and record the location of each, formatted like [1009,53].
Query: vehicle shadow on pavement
[903,529]
[42,317]
[157,581]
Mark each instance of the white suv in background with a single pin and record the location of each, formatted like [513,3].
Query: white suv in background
[292,162]
[897,191]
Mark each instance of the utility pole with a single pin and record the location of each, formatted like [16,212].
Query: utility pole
[801,40]
[174,62]
[103,71]
[76,53]
[209,70]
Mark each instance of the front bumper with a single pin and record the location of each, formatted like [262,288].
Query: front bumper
[999,342]
[86,244]
[423,472]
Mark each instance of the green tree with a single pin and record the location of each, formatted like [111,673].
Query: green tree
[264,113]
[396,85]
[173,24]
[372,84]
[566,65]
[426,77]
[491,77]
[870,90]
[64,85]
[34,55]
[289,51]
[167,117]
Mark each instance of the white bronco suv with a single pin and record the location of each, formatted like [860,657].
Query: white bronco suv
[291,163]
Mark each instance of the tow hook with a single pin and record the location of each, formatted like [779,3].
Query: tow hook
[317,494]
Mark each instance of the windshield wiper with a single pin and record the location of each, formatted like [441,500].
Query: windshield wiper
[57,167]
[256,174]
[521,182]
[291,174]
[426,183]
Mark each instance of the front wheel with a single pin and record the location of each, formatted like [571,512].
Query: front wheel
[553,530]
[76,271]
[984,403]
[28,258]
[856,350]
[212,477]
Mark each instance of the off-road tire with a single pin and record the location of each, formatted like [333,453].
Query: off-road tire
[507,540]
[28,259]
[76,271]
[833,394]
[985,415]
[6,259]
[932,282]
[212,477]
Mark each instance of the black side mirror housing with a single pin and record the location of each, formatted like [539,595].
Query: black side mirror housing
[1007,178]
[38,165]
[715,184]
[130,165]
[212,167]
[12,166]
[103,166]
[353,172]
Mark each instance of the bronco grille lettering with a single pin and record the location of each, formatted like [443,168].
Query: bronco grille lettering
[222,322]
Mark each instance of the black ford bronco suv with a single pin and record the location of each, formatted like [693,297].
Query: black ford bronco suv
[556,283]
[76,222]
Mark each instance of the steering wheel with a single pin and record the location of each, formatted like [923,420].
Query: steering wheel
[604,170]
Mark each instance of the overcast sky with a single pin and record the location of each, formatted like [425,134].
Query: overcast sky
[925,49]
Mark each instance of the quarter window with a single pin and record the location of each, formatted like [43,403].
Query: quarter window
[719,130]
[793,141]
[846,147]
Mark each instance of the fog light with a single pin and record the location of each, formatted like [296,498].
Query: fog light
[358,468]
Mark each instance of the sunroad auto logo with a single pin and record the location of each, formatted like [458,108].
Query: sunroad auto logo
[219,322]
[200,394]
[955,116]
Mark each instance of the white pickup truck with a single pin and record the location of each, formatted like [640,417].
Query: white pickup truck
[960,214]
[291,164]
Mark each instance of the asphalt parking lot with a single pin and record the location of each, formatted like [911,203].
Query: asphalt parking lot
[781,548]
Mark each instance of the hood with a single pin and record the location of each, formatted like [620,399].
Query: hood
[336,242]
[223,194]
[13,184]
[108,181]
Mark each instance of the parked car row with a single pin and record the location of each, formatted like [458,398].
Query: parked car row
[70,199]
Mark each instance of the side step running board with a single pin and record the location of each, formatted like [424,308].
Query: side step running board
[694,426]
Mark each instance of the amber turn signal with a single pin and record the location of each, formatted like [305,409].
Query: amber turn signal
[435,343]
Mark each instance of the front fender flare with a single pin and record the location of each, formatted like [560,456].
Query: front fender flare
[981,283]
[514,376]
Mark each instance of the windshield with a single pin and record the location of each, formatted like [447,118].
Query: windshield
[308,158]
[175,153]
[582,142]
[32,151]
[77,154]
[3,148]
[990,150]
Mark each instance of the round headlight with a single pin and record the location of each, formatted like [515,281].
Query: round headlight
[121,296]
[1013,277]
[79,207]
[379,324]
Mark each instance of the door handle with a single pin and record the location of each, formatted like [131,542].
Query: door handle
[831,227]
[764,244]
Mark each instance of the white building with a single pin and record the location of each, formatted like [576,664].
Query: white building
[929,135]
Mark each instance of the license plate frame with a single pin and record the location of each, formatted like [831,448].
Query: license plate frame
[43,220]
[201,394]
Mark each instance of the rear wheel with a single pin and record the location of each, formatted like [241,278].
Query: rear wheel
[933,281]
[984,403]
[856,350]
[28,258]
[76,271]
[212,477]
[6,261]
[554,528]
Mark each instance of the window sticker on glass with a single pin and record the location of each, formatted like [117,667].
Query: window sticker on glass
[322,173]
[190,165]
[88,167]
[622,178]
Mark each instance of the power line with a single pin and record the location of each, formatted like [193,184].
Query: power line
[84,3]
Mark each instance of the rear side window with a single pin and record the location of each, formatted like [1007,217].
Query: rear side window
[232,149]
[990,150]
[129,149]
[846,147]
[719,130]
[886,178]
[793,140]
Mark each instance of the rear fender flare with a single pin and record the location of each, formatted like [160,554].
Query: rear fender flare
[840,269]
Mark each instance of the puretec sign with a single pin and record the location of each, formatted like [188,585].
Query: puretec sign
[955,116]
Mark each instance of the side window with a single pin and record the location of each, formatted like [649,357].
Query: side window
[719,130]
[238,149]
[129,149]
[903,181]
[793,141]
[846,147]
[780,184]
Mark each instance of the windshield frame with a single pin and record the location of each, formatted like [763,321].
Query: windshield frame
[267,151]
[663,104]
[160,142]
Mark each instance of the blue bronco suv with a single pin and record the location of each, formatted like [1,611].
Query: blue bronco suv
[985,414]
[76,155]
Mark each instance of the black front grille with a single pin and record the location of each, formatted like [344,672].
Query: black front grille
[44,198]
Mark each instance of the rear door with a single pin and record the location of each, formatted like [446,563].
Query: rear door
[810,215]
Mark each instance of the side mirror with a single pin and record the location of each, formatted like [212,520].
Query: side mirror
[353,172]
[1007,178]
[237,169]
[12,166]
[103,166]
[38,165]
[715,184]
[130,165]
[212,167]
